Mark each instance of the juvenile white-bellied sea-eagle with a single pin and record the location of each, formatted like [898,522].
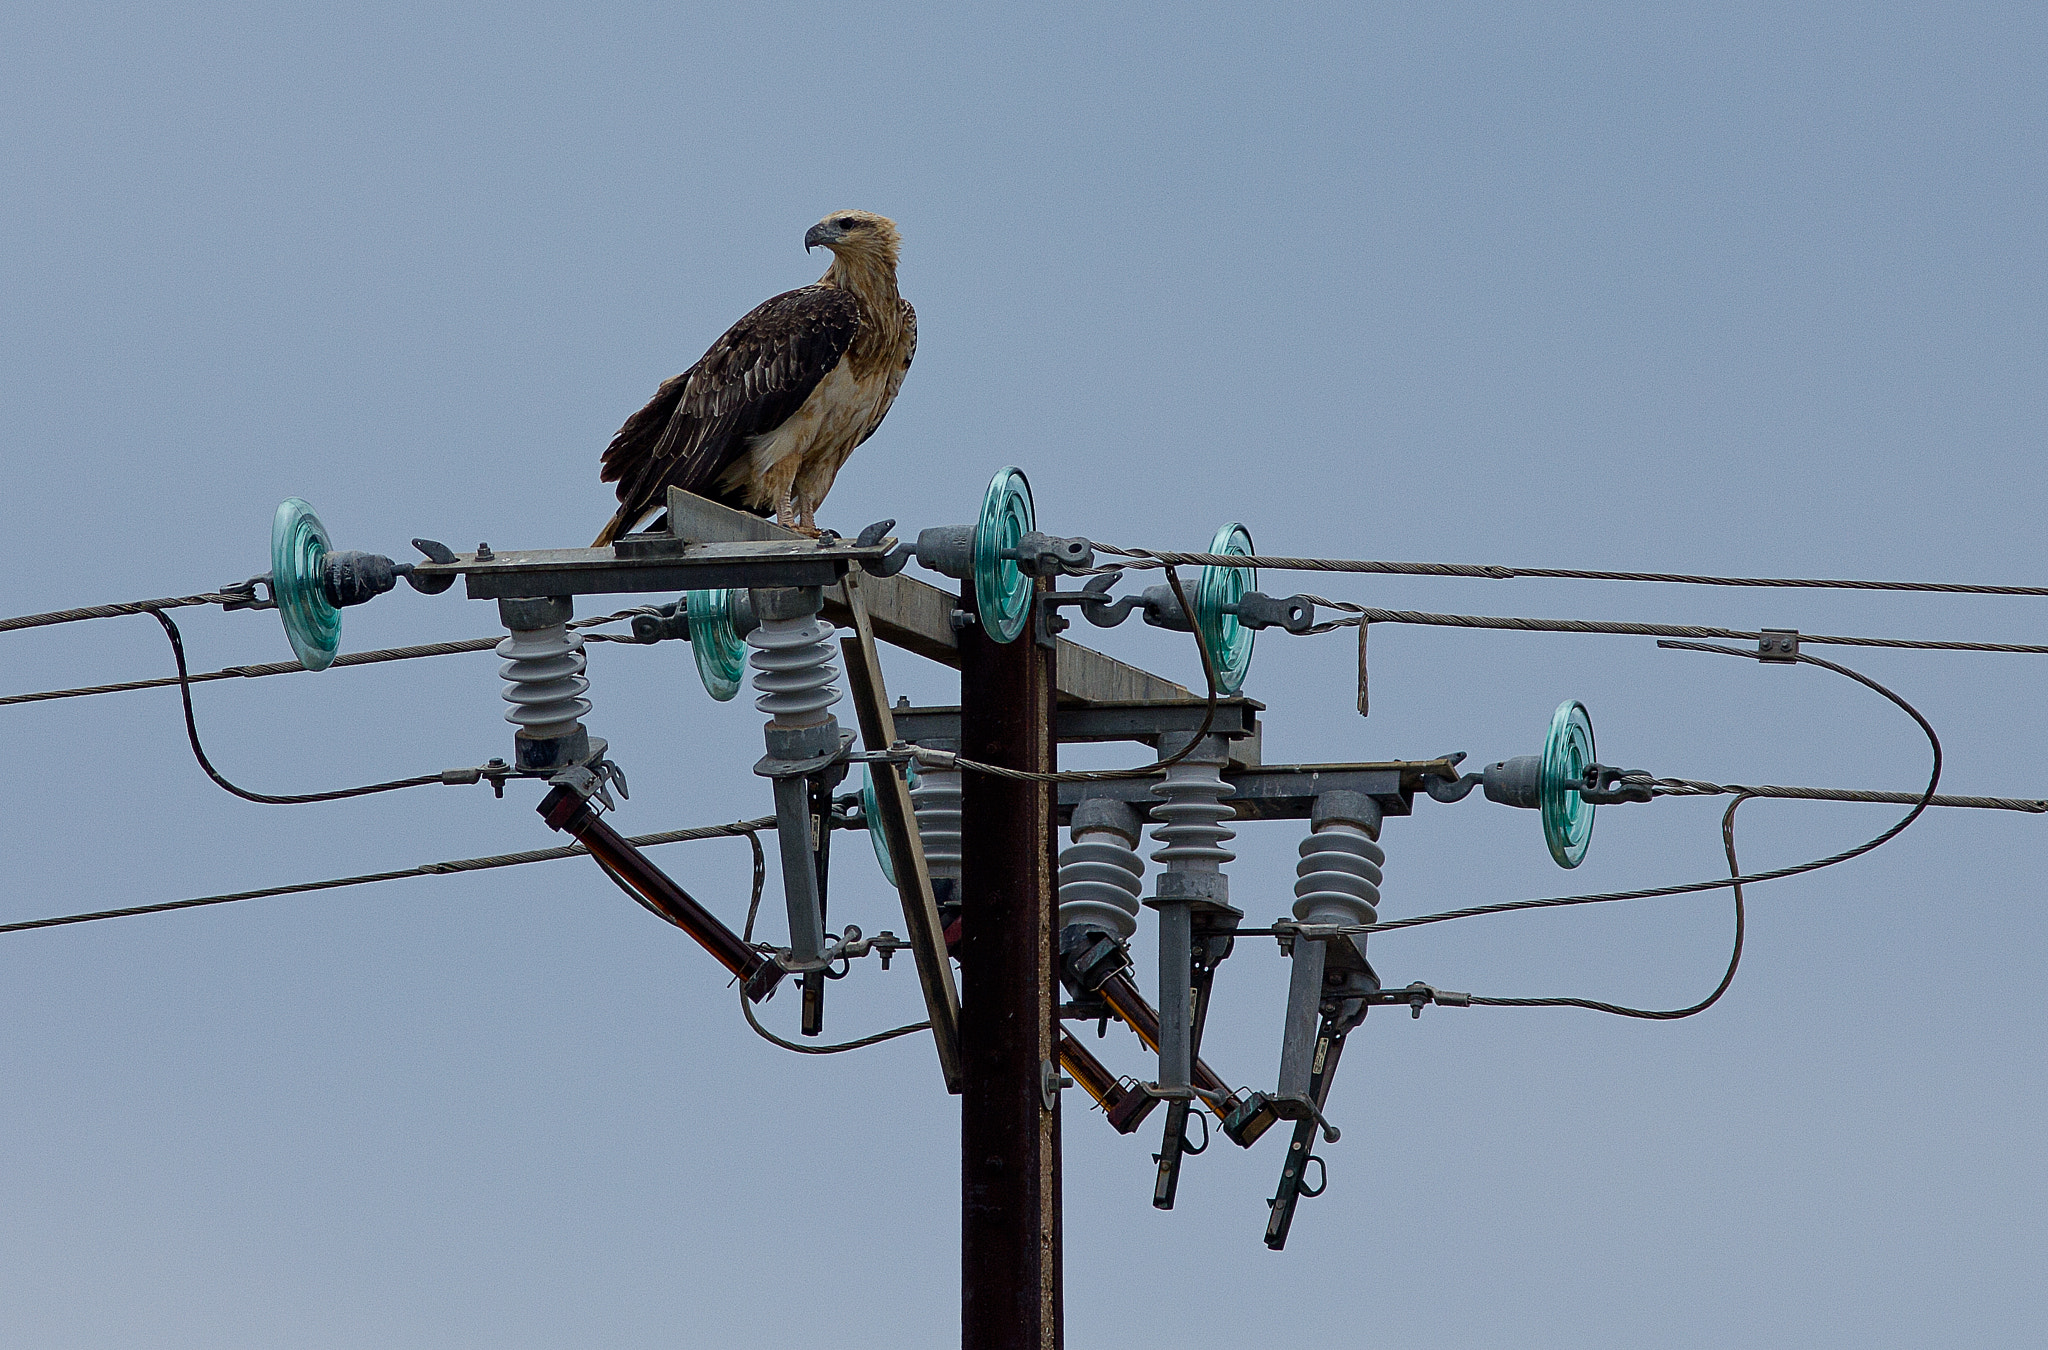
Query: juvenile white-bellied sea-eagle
[764,420]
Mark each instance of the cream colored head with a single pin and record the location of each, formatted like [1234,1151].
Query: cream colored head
[857,237]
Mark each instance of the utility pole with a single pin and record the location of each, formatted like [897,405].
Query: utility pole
[1010,1296]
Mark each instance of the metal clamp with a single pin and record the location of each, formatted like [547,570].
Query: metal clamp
[1778,646]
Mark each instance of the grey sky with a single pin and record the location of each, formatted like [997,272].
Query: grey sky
[1757,289]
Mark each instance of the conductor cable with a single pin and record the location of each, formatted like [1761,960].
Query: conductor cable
[747,935]
[264,798]
[433,869]
[1146,558]
[1655,1014]
[1920,804]
[294,667]
[113,611]
[1356,615]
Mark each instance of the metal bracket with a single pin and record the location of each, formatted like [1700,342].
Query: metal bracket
[770,766]
[592,779]
[242,594]
[1607,786]
[1778,646]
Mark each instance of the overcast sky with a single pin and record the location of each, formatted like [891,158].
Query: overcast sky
[1744,289]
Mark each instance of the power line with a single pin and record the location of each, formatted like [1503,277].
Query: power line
[453,865]
[1661,1014]
[113,611]
[295,668]
[1363,614]
[1144,558]
[1692,787]
[257,672]
[747,1008]
[1920,804]
[264,798]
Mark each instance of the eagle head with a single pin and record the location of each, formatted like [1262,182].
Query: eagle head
[856,235]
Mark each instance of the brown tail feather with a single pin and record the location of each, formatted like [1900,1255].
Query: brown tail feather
[619,524]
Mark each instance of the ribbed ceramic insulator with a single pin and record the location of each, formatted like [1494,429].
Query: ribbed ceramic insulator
[936,802]
[1338,877]
[1191,818]
[544,682]
[1101,876]
[793,670]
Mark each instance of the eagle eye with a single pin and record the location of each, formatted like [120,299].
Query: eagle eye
[847,222]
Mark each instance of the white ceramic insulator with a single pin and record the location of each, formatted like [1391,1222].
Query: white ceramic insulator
[1191,818]
[793,670]
[544,682]
[1101,877]
[935,801]
[1338,877]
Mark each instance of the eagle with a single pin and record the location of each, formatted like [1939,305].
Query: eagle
[765,418]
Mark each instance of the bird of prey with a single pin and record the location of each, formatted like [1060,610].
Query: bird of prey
[764,420]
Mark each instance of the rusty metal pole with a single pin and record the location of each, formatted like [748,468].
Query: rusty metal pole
[1009,1032]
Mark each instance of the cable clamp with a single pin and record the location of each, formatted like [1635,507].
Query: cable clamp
[495,773]
[1778,646]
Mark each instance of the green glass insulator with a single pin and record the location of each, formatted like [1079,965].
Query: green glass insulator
[1219,589]
[720,652]
[873,816]
[1567,754]
[1001,590]
[298,557]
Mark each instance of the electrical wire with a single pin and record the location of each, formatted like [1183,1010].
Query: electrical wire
[1660,1014]
[1920,804]
[114,611]
[295,668]
[184,679]
[434,869]
[747,935]
[264,798]
[257,672]
[1145,558]
[1364,614]
[1692,787]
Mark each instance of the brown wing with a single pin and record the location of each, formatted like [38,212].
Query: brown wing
[751,381]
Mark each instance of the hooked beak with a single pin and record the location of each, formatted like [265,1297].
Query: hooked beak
[824,232]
